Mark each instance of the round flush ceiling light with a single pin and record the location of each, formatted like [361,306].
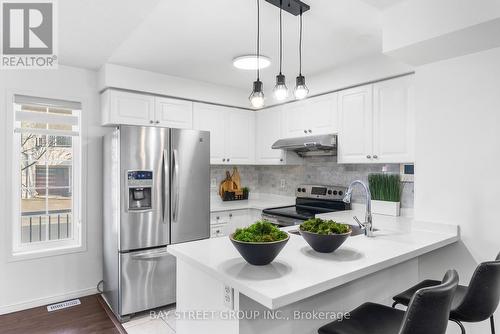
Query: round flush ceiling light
[249,62]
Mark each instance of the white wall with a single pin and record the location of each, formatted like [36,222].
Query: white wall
[420,32]
[111,75]
[40,281]
[357,72]
[458,160]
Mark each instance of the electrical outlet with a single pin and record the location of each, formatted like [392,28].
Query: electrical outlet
[228,297]
[282,183]
[213,183]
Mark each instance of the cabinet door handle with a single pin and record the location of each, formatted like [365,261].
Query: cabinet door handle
[157,122]
[227,159]
[281,160]
[151,122]
[230,215]
[368,157]
[305,131]
[375,157]
[310,131]
[223,160]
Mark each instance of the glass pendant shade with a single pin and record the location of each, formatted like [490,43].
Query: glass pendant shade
[257,96]
[301,91]
[280,90]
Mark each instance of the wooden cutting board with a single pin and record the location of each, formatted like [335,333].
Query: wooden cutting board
[226,185]
[236,179]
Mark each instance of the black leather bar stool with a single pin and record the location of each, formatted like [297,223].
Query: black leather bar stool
[474,303]
[427,313]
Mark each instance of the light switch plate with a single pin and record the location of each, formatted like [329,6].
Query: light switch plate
[282,183]
[213,183]
[228,297]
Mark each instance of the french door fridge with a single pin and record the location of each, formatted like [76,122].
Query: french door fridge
[156,193]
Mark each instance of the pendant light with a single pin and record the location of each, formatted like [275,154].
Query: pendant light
[281,90]
[301,89]
[257,96]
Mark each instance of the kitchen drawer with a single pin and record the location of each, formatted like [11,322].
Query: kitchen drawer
[218,230]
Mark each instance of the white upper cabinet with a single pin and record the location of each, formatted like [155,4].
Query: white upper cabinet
[376,123]
[232,133]
[212,118]
[355,125]
[393,121]
[240,136]
[322,114]
[120,107]
[268,131]
[174,113]
[314,116]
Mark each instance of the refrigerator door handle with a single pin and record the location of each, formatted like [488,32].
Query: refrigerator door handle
[166,195]
[150,255]
[176,184]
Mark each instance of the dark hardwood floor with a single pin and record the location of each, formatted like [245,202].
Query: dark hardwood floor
[92,316]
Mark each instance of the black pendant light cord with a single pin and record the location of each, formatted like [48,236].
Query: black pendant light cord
[300,45]
[258,40]
[281,37]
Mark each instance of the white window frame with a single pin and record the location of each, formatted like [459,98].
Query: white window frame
[77,243]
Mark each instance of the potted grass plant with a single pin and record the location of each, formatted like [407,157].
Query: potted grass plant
[386,192]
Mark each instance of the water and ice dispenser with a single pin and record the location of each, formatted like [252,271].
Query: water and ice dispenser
[140,190]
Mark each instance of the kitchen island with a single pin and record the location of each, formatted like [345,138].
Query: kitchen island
[218,292]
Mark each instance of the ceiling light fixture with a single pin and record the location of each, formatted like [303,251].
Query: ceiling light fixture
[301,89]
[257,96]
[281,90]
[249,62]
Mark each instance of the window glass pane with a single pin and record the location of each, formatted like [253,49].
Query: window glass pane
[56,175]
[59,200]
[26,107]
[60,111]
[33,201]
[46,176]
[59,148]
[34,228]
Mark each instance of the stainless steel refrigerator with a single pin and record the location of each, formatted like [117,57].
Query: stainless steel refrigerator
[156,193]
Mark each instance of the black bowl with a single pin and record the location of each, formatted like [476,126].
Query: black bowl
[259,253]
[324,243]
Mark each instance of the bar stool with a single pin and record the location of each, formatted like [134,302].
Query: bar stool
[474,303]
[427,313]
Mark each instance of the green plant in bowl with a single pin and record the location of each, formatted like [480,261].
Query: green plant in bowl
[259,243]
[324,236]
[261,231]
[320,226]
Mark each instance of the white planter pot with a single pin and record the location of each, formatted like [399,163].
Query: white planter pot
[386,208]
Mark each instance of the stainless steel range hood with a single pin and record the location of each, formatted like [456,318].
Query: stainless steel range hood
[309,146]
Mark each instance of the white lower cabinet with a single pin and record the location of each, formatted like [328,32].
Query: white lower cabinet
[223,223]
[232,133]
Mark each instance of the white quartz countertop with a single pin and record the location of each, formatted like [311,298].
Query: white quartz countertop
[299,272]
[256,201]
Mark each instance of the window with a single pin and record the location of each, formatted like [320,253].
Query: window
[48,164]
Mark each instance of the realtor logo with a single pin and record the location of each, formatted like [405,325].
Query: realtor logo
[28,35]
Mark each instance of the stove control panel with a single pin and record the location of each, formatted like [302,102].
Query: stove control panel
[320,191]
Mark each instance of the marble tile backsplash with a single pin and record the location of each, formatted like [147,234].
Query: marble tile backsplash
[315,170]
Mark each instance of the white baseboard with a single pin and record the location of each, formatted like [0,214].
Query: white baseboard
[4,309]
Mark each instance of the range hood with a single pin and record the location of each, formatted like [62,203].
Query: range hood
[309,146]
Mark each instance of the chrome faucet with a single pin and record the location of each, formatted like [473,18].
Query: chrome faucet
[368,224]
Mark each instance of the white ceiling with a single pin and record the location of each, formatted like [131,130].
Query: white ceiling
[382,4]
[198,39]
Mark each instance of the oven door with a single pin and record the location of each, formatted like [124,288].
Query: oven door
[281,221]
